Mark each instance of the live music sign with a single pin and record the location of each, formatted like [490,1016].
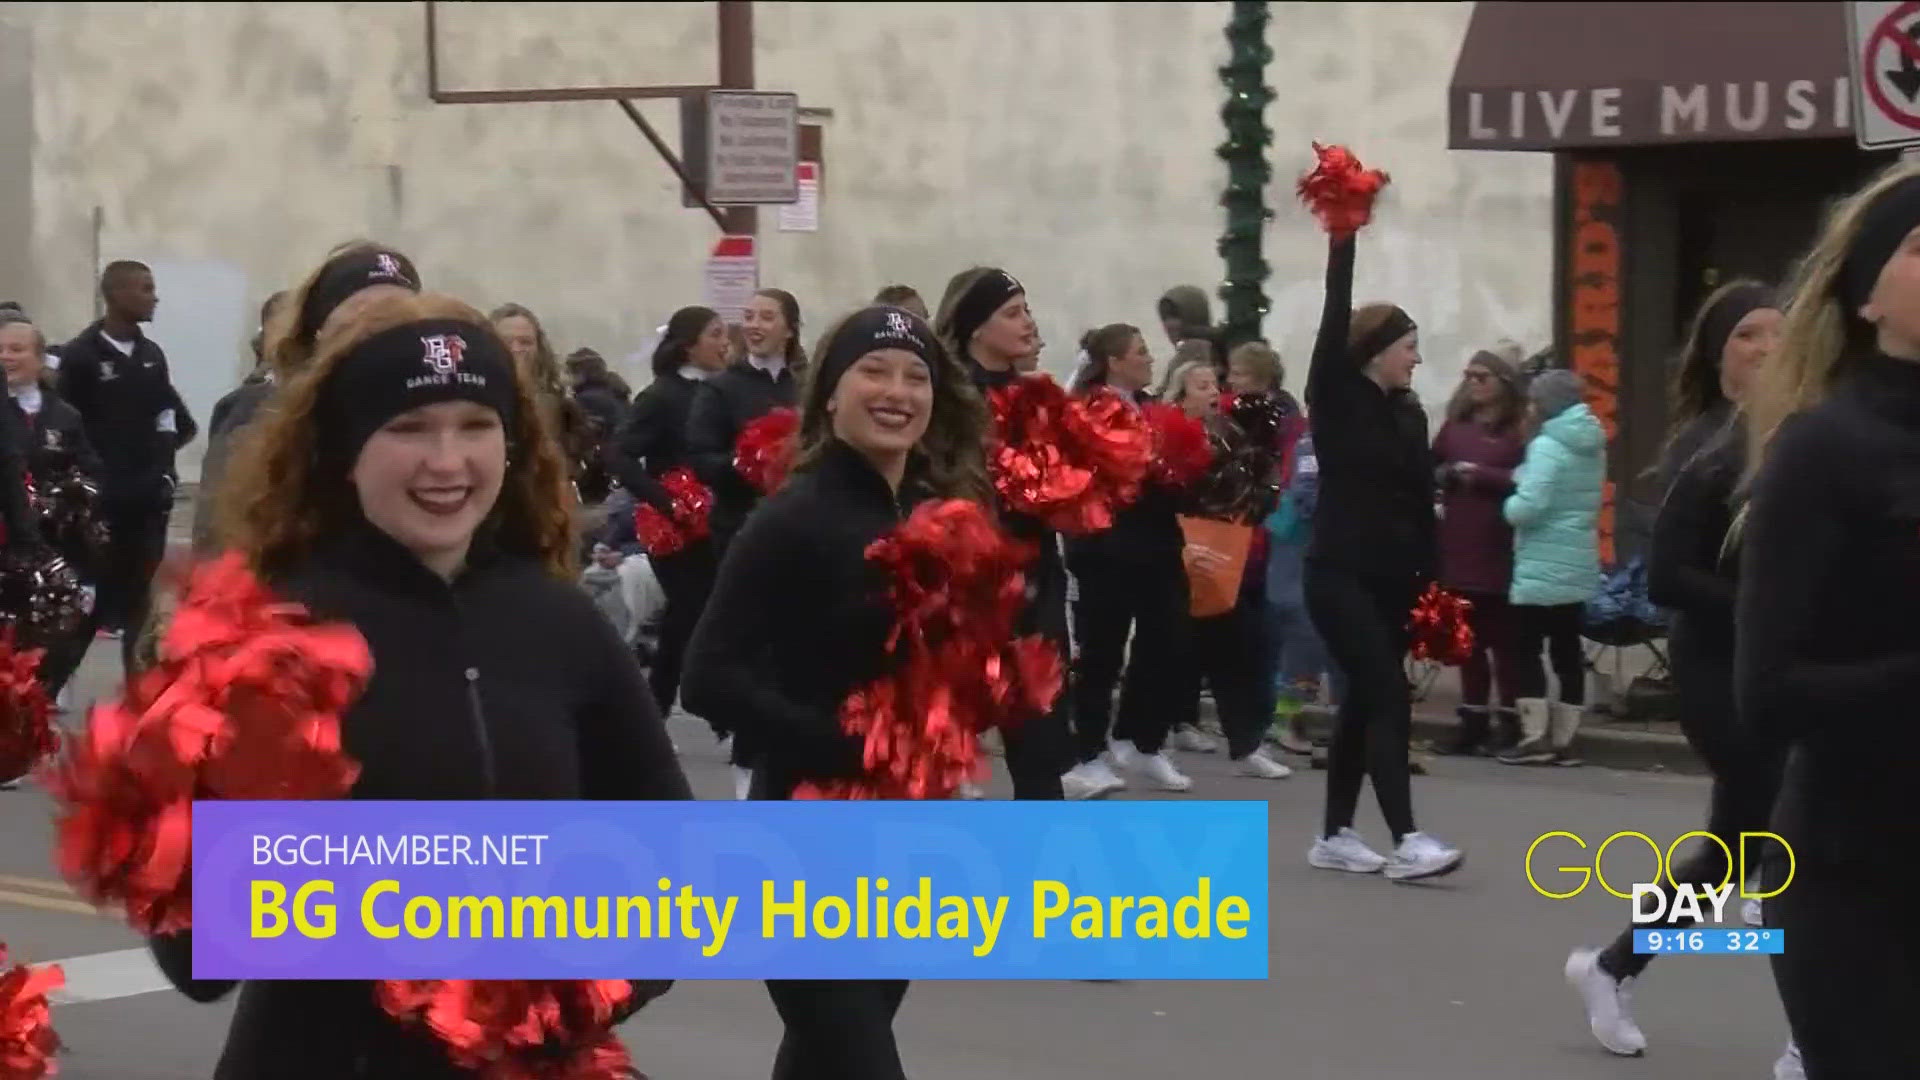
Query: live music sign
[1639,113]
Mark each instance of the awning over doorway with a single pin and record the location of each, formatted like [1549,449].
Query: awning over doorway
[1543,76]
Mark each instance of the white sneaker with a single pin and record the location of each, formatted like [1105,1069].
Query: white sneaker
[1345,851]
[1260,766]
[1109,780]
[1608,1002]
[969,790]
[63,702]
[1123,753]
[1787,1066]
[1193,740]
[1079,783]
[1158,768]
[1752,913]
[742,781]
[1420,856]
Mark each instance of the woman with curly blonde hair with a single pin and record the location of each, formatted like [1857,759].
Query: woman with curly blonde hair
[405,483]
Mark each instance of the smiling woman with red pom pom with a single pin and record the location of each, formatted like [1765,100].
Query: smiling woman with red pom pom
[888,423]
[1373,545]
[428,516]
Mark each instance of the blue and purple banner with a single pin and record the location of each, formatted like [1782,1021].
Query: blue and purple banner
[730,890]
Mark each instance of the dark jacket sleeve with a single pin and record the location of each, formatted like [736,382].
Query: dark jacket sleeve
[173,955]
[624,749]
[641,438]
[186,429]
[1331,377]
[1684,560]
[78,379]
[22,528]
[1795,526]
[726,674]
[710,438]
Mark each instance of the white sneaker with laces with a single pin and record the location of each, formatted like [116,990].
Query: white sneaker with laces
[1123,753]
[1420,856]
[1346,851]
[1193,740]
[742,781]
[1158,769]
[1788,1066]
[1262,767]
[1608,1002]
[1753,914]
[1102,772]
[1079,783]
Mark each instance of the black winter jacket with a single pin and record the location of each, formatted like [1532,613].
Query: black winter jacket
[1375,516]
[121,397]
[798,619]
[54,439]
[16,512]
[723,405]
[504,684]
[653,441]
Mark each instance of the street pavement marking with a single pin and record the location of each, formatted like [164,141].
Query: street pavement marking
[47,903]
[59,888]
[108,975]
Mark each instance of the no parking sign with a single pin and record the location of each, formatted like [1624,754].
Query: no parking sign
[1884,45]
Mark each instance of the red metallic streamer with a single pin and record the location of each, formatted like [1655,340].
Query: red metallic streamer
[764,451]
[956,589]
[1440,629]
[1182,451]
[27,734]
[664,534]
[1340,191]
[520,1029]
[27,1040]
[1068,462]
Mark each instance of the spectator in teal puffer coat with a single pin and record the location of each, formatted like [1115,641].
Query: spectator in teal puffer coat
[1555,514]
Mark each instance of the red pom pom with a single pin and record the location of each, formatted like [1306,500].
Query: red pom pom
[27,734]
[956,668]
[244,704]
[1182,450]
[521,1029]
[1339,191]
[1439,627]
[665,534]
[1068,462]
[27,1041]
[764,451]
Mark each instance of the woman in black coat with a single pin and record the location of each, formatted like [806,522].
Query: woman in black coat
[653,444]
[432,514]
[1373,551]
[799,618]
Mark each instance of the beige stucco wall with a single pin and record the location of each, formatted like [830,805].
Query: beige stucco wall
[230,144]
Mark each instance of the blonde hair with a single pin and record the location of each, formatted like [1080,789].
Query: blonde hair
[1176,389]
[1186,354]
[1261,357]
[279,499]
[1814,333]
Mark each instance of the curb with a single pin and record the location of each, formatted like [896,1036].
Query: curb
[1605,747]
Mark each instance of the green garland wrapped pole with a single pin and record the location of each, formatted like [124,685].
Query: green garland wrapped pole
[1248,171]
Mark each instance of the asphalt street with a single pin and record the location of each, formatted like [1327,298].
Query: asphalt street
[1369,980]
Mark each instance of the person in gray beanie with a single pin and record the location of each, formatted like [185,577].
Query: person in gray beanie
[1555,514]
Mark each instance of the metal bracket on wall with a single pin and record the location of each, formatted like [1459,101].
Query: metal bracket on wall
[735,26]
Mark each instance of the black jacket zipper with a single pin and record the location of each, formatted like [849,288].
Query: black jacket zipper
[477,716]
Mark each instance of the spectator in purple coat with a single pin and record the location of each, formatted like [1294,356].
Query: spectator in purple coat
[1478,448]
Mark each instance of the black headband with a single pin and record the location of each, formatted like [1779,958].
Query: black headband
[1887,222]
[980,301]
[419,363]
[347,274]
[1398,324]
[877,328]
[1716,326]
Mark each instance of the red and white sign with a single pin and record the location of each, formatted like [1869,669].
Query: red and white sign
[803,215]
[1884,46]
[733,273]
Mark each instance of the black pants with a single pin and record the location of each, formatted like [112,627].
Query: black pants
[1149,597]
[686,579]
[1555,630]
[1850,975]
[1234,654]
[1492,662]
[1363,621]
[136,542]
[837,1030]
